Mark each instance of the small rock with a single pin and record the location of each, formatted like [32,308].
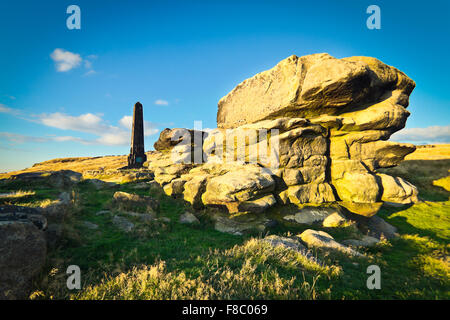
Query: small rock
[64,197]
[188,218]
[290,243]
[123,224]
[334,220]
[103,212]
[129,200]
[285,242]
[143,216]
[378,228]
[153,184]
[141,186]
[310,215]
[365,241]
[90,225]
[100,184]
[165,219]
[323,240]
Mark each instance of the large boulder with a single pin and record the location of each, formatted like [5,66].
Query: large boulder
[23,250]
[312,130]
[310,86]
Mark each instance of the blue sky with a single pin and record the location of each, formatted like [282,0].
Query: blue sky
[178,58]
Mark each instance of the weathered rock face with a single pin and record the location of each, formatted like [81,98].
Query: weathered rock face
[311,130]
[315,85]
[23,250]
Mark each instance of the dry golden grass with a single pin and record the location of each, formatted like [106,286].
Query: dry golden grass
[17,194]
[430,152]
[75,164]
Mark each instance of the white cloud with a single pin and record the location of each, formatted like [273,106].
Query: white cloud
[70,138]
[19,138]
[5,109]
[161,102]
[90,73]
[8,110]
[88,122]
[94,124]
[65,60]
[433,134]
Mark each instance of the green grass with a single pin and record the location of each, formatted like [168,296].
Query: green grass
[169,260]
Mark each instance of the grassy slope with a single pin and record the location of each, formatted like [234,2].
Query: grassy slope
[170,260]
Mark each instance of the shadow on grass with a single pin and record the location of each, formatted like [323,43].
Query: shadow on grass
[424,219]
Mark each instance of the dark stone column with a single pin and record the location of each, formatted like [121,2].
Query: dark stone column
[137,153]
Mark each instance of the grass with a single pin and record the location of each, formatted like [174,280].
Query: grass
[169,260]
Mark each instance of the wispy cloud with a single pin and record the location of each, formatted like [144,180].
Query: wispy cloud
[8,110]
[433,134]
[19,138]
[94,124]
[161,102]
[65,60]
[15,138]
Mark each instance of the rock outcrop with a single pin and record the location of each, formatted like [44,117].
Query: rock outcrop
[311,130]
[23,250]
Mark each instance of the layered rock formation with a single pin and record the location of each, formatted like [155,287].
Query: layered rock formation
[311,130]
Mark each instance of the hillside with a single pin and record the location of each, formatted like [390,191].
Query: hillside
[164,258]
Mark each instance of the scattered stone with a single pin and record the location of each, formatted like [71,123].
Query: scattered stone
[123,224]
[378,228]
[289,243]
[146,217]
[103,212]
[189,218]
[335,219]
[238,225]
[129,200]
[365,241]
[153,185]
[141,186]
[65,198]
[310,215]
[24,214]
[100,184]
[90,225]
[165,219]
[323,240]
[23,251]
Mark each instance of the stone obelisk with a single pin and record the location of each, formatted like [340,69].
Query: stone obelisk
[137,153]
